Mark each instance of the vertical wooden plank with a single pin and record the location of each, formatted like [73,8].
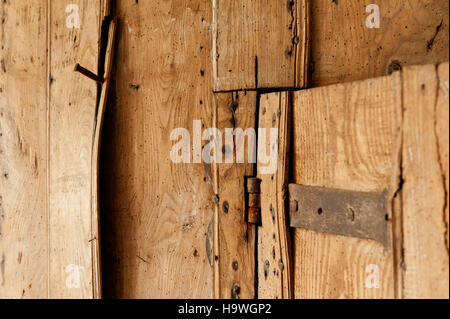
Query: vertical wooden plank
[424,191]
[347,137]
[156,219]
[46,145]
[274,253]
[23,155]
[260,44]
[345,49]
[72,111]
[236,254]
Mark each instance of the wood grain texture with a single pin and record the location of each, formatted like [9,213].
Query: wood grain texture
[425,189]
[260,44]
[237,238]
[23,156]
[156,214]
[344,49]
[347,137]
[72,110]
[48,229]
[274,245]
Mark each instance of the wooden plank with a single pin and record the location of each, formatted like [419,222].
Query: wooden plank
[260,44]
[424,193]
[344,49]
[156,215]
[236,238]
[346,137]
[49,224]
[23,156]
[72,112]
[274,253]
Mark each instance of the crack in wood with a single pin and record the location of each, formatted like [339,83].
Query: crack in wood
[439,155]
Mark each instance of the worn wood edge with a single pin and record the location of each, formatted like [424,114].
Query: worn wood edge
[283,179]
[441,69]
[95,220]
[396,213]
[394,201]
[303,48]
[214,28]
[105,8]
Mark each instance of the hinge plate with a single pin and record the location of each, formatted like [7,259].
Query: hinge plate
[339,212]
[253,200]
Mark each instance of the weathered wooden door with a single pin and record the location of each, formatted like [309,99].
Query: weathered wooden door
[385,136]
[182,230]
[49,135]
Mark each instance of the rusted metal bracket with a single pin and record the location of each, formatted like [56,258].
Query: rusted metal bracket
[339,212]
[89,74]
[253,199]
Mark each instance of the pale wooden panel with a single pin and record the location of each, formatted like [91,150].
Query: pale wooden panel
[260,44]
[344,49]
[236,238]
[424,190]
[72,109]
[157,213]
[49,116]
[274,253]
[347,137]
[95,187]
[23,150]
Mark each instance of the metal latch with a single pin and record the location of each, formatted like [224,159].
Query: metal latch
[339,212]
[253,200]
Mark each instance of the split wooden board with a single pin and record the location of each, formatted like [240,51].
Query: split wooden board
[47,237]
[377,134]
[425,189]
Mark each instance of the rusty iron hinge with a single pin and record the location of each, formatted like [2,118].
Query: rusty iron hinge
[253,200]
[340,212]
